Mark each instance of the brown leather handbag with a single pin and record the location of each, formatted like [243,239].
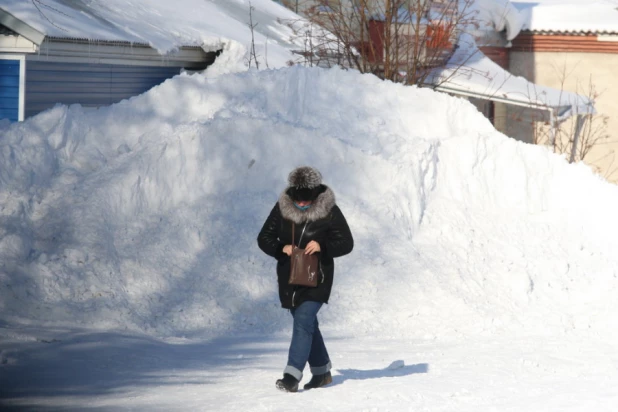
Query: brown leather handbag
[303,268]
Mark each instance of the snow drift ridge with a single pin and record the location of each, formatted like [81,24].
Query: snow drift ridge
[144,215]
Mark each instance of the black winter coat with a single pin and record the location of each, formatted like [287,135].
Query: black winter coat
[325,224]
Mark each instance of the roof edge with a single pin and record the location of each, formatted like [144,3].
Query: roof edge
[81,40]
[21,28]
[579,32]
[562,111]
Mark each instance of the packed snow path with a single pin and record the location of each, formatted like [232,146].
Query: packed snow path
[109,371]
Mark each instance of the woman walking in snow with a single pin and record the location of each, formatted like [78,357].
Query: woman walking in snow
[310,205]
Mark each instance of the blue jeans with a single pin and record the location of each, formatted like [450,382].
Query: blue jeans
[307,343]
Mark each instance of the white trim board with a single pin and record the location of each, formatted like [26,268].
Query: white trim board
[16,44]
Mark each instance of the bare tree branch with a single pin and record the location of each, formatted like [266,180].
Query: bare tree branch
[398,40]
[38,4]
[252,54]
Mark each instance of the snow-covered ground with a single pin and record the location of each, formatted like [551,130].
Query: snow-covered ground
[107,371]
[483,277]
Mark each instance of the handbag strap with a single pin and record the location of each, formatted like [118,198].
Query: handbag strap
[301,235]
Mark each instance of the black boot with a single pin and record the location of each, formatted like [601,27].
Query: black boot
[288,383]
[317,381]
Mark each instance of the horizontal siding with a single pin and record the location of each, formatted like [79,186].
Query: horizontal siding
[9,80]
[9,92]
[49,83]
[45,88]
[50,77]
[9,89]
[9,65]
[10,114]
[92,98]
[96,68]
[8,102]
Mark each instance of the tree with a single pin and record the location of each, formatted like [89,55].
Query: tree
[398,40]
[577,136]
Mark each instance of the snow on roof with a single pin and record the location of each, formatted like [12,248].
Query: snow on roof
[498,15]
[165,25]
[569,16]
[471,73]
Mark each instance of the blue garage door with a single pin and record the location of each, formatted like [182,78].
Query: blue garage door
[9,89]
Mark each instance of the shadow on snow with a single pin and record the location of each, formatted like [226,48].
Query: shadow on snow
[358,374]
[45,375]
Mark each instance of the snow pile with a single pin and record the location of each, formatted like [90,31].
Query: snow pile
[144,215]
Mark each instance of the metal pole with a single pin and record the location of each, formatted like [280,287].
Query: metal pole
[552,131]
[579,124]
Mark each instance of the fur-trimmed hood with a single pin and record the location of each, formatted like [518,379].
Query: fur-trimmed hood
[320,208]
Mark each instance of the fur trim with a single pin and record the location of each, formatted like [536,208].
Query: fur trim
[320,208]
[305,177]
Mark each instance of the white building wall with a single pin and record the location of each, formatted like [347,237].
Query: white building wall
[573,72]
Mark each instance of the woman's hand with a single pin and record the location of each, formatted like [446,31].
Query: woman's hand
[287,249]
[312,247]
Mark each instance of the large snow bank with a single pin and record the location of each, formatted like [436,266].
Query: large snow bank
[144,215]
